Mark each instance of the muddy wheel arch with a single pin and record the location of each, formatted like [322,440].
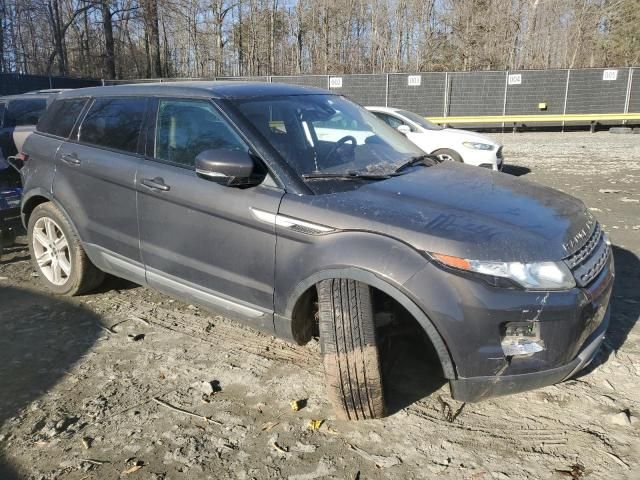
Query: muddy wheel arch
[290,327]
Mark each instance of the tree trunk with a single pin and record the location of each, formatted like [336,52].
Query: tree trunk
[109,44]
[152,30]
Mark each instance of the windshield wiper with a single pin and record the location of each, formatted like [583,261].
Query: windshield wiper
[415,161]
[345,176]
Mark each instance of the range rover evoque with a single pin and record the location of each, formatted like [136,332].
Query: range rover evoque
[222,194]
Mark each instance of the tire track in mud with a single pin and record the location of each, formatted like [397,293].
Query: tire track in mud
[524,436]
[221,332]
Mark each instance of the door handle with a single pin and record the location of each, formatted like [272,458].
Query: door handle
[155,184]
[71,159]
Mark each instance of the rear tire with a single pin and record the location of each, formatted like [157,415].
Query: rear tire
[349,349]
[448,155]
[51,235]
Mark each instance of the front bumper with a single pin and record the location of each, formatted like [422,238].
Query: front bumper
[470,315]
[490,159]
[479,388]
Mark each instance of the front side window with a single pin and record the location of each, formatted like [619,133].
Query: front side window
[114,123]
[61,117]
[326,134]
[186,128]
[393,122]
[24,112]
[421,121]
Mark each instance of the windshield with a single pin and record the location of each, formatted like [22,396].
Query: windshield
[327,134]
[423,122]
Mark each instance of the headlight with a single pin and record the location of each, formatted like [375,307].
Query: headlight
[478,145]
[533,276]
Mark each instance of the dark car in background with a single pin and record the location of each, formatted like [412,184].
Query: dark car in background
[19,115]
[223,194]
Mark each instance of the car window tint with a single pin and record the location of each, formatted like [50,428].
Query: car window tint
[114,123]
[185,128]
[61,117]
[24,112]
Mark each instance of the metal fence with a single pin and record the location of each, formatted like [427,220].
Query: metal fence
[485,93]
[11,83]
[446,94]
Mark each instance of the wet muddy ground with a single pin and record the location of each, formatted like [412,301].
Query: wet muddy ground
[129,383]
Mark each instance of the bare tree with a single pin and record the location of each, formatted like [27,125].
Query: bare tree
[132,38]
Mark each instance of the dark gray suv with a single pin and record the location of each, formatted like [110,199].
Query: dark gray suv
[303,214]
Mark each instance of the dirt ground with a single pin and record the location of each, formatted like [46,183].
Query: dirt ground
[87,385]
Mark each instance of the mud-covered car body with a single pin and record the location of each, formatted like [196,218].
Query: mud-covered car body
[256,249]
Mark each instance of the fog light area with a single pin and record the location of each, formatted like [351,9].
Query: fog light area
[521,338]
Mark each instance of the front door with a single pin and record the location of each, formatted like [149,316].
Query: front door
[199,239]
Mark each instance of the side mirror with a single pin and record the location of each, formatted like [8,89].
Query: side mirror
[404,129]
[232,168]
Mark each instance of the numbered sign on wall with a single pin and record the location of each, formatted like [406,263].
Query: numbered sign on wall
[610,75]
[414,80]
[335,82]
[515,79]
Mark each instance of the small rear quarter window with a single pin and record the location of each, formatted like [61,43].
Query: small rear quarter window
[61,117]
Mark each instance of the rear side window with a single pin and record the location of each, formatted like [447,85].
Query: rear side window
[114,123]
[61,117]
[24,112]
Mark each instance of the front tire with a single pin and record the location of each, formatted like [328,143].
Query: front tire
[349,349]
[448,155]
[57,254]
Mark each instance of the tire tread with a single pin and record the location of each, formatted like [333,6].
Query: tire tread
[351,361]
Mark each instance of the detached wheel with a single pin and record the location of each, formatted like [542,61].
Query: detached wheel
[349,349]
[57,255]
[448,155]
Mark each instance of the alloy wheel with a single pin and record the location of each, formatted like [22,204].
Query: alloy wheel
[51,250]
[445,157]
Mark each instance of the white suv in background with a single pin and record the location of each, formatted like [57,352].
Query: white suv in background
[445,143]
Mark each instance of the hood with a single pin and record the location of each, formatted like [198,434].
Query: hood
[462,135]
[457,210]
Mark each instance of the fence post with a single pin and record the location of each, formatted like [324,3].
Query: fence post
[566,96]
[504,100]
[445,111]
[628,96]
[386,92]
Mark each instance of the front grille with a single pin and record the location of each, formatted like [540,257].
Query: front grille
[589,260]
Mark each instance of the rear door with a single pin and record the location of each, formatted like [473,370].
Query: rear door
[200,240]
[95,183]
[43,147]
